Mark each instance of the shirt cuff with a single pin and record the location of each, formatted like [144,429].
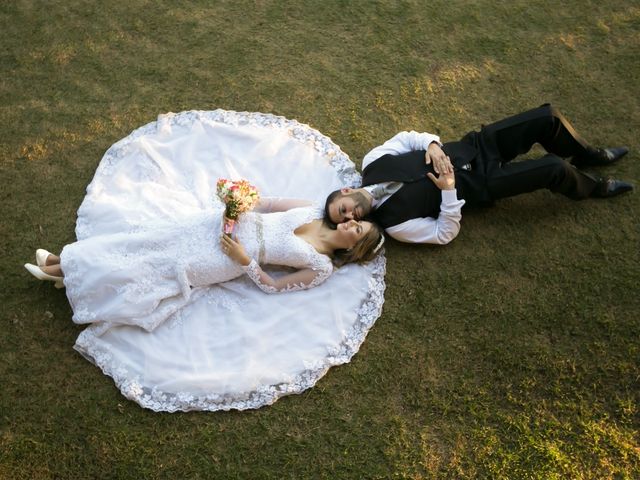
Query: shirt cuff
[449,196]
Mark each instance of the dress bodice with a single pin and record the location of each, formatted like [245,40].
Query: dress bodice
[270,239]
[282,246]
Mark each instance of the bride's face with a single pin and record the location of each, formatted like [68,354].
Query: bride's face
[352,231]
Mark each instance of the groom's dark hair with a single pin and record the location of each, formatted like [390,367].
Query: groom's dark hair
[327,218]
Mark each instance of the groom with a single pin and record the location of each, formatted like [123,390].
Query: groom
[415,187]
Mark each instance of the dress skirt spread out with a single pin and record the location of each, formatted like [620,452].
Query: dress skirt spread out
[177,324]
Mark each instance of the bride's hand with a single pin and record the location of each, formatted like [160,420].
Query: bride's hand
[234,250]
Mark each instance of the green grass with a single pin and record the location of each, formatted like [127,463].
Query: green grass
[511,353]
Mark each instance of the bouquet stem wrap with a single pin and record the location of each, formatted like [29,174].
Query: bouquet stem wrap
[229,225]
[239,197]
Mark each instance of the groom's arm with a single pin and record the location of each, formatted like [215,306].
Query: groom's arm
[439,230]
[403,142]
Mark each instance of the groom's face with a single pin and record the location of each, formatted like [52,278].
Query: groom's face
[348,206]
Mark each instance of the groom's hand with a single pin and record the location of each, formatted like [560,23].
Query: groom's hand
[445,181]
[441,162]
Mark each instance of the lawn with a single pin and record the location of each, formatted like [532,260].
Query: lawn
[511,353]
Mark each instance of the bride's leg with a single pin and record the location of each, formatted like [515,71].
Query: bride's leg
[52,260]
[53,270]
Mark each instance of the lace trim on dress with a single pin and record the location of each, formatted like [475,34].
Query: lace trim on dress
[253,271]
[160,401]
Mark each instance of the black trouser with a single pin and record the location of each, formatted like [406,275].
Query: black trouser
[502,141]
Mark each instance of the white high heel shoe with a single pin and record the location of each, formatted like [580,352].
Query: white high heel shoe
[40,275]
[41,257]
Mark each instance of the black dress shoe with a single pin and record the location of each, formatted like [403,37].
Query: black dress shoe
[610,187]
[614,154]
[602,156]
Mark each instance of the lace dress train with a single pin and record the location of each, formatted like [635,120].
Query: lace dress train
[173,320]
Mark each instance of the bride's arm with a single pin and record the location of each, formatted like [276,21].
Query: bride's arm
[299,280]
[279,204]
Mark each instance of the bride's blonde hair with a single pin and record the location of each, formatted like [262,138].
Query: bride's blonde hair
[364,251]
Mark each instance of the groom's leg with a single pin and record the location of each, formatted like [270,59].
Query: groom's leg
[550,171]
[545,125]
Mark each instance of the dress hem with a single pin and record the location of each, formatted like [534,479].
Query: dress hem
[159,401]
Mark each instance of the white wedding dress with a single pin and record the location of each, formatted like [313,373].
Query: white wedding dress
[174,321]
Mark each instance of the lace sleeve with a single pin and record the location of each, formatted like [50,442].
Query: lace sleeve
[279,204]
[300,280]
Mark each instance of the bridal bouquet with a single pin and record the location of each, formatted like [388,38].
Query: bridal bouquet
[239,197]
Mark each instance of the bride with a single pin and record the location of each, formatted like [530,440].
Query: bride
[142,278]
[173,318]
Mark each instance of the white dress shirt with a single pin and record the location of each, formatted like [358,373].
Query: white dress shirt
[439,230]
